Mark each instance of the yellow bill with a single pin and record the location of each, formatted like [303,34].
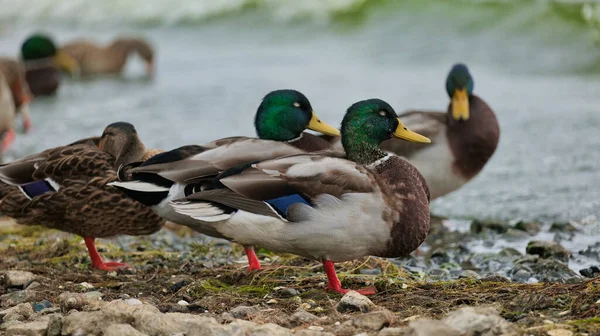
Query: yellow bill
[67,63]
[402,132]
[317,125]
[460,105]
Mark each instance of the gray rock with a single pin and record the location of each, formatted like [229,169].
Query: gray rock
[590,272]
[17,279]
[54,325]
[392,332]
[14,298]
[306,332]
[121,330]
[548,249]
[478,226]
[469,274]
[244,311]
[430,327]
[495,278]
[241,327]
[353,301]
[93,295]
[20,312]
[374,321]
[156,324]
[521,276]
[563,227]
[530,227]
[482,321]
[509,252]
[515,235]
[268,329]
[301,316]
[547,270]
[114,312]
[34,285]
[37,328]
[288,292]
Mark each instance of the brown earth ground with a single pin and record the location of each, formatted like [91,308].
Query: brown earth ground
[164,278]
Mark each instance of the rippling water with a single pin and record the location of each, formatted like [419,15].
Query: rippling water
[535,62]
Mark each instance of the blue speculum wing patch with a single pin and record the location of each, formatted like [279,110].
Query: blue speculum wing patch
[281,204]
[36,188]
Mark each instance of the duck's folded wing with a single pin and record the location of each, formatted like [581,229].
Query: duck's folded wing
[24,170]
[429,124]
[79,162]
[308,174]
[212,161]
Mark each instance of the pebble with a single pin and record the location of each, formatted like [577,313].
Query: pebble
[86,285]
[374,321]
[521,276]
[288,292]
[243,311]
[302,317]
[548,250]
[272,301]
[17,279]
[469,274]
[183,303]
[316,328]
[354,301]
[590,272]
[93,295]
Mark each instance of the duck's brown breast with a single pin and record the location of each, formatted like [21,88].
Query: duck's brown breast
[406,193]
[473,142]
[43,81]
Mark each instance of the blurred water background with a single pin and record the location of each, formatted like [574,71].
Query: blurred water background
[537,63]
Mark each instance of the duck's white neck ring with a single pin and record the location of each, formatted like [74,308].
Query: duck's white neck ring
[296,139]
[378,162]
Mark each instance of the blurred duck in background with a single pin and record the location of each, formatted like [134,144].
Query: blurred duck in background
[463,138]
[7,114]
[42,60]
[14,74]
[111,59]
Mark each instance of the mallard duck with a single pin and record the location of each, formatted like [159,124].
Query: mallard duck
[110,59]
[65,188]
[41,58]
[463,138]
[322,206]
[14,73]
[280,121]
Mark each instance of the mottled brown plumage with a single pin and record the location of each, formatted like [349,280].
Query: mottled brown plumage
[79,201]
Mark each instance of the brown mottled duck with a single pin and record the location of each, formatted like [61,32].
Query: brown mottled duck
[65,188]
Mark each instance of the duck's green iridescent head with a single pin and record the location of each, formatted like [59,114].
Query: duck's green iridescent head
[284,114]
[39,46]
[459,86]
[367,124]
